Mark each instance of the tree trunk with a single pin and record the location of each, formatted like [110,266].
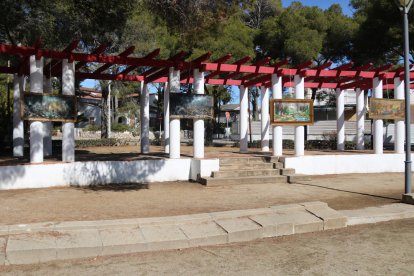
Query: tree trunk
[313,94]
[115,106]
[105,112]
[250,121]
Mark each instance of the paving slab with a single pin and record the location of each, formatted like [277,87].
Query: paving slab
[31,227]
[332,219]
[196,218]
[241,229]
[31,248]
[378,214]
[203,234]
[3,242]
[117,223]
[164,237]
[274,224]
[75,225]
[158,221]
[303,220]
[4,230]
[122,240]
[241,213]
[73,244]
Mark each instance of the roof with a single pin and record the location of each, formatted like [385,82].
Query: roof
[230,107]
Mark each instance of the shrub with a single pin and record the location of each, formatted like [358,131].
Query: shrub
[92,128]
[119,127]
[208,143]
[190,143]
[155,142]
[110,142]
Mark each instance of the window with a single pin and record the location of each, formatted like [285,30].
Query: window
[91,121]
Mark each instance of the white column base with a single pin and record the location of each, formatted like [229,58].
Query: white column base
[378,137]
[299,140]
[198,146]
[68,142]
[36,142]
[277,141]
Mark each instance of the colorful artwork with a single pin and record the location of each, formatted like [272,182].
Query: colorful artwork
[48,107]
[386,109]
[291,112]
[191,106]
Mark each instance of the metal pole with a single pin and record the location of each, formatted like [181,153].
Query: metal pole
[407,107]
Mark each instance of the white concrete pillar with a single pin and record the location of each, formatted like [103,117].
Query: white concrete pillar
[378,124]
[36,127]
[399,129]
[340,119]
[68,129]
[175,126]
[299,130]
[18,133]
[47,126]
[144,107]
[277,88]
[108,106]
[360,109]
[265,121]
[167,118]
[244,106]
[198,145]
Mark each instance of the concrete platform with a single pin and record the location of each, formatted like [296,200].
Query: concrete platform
[98,238]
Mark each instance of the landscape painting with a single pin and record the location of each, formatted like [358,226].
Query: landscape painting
[48,107]
[189,106]
[387,109]
[291,112]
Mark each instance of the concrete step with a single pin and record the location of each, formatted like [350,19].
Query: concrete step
[291,178]
[287,171]
[209,181]
[238,160]
[248,166]
[245,173]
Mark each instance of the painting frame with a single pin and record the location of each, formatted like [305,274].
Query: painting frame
[49,119]
[275,122]
[380,107]
[173,109]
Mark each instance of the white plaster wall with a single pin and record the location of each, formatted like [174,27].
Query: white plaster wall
[341,164]
[204,167]
[89,111]
[92,173]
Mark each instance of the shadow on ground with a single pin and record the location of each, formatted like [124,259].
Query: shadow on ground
[115,187]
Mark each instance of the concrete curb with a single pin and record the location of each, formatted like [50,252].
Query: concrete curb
[42,242]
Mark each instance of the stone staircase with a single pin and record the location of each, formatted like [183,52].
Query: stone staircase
[252,170]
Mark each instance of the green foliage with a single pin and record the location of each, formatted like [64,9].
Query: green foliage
[107,142]
[92,128]
[119,127]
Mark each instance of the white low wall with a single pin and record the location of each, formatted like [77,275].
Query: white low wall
[93,173]
[340,164]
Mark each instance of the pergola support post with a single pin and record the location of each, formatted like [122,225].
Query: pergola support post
[68,129]
[299,130]
[378,123]
[175,131]
[360,108]
[277,130]
[18,130]
[265,120]
[36,127]
[47,126]
[198,146]
[399,126]
[144,111]
[167,118]
[340,119]
[243,117]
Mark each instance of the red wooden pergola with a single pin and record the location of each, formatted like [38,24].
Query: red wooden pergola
[218,71]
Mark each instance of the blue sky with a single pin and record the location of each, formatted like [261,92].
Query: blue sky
[322,4]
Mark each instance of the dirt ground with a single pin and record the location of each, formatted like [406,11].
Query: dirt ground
[121,201]
[372,249]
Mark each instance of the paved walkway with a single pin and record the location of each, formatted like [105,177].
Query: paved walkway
[42,242]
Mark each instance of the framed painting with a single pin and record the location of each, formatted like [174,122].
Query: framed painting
[191,106]
[291,112]
[48,107]
[387,109]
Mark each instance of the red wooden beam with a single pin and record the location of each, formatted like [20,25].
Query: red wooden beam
[357,74]
[24,63]
[125,53]
[97,52]
[173,58]
[72,46]
[338,69]
[151,55]
[258,64]
[355,84]
[238,63]
[118,77]
[303,65]
[165,71]
[276,65]
[189,73]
